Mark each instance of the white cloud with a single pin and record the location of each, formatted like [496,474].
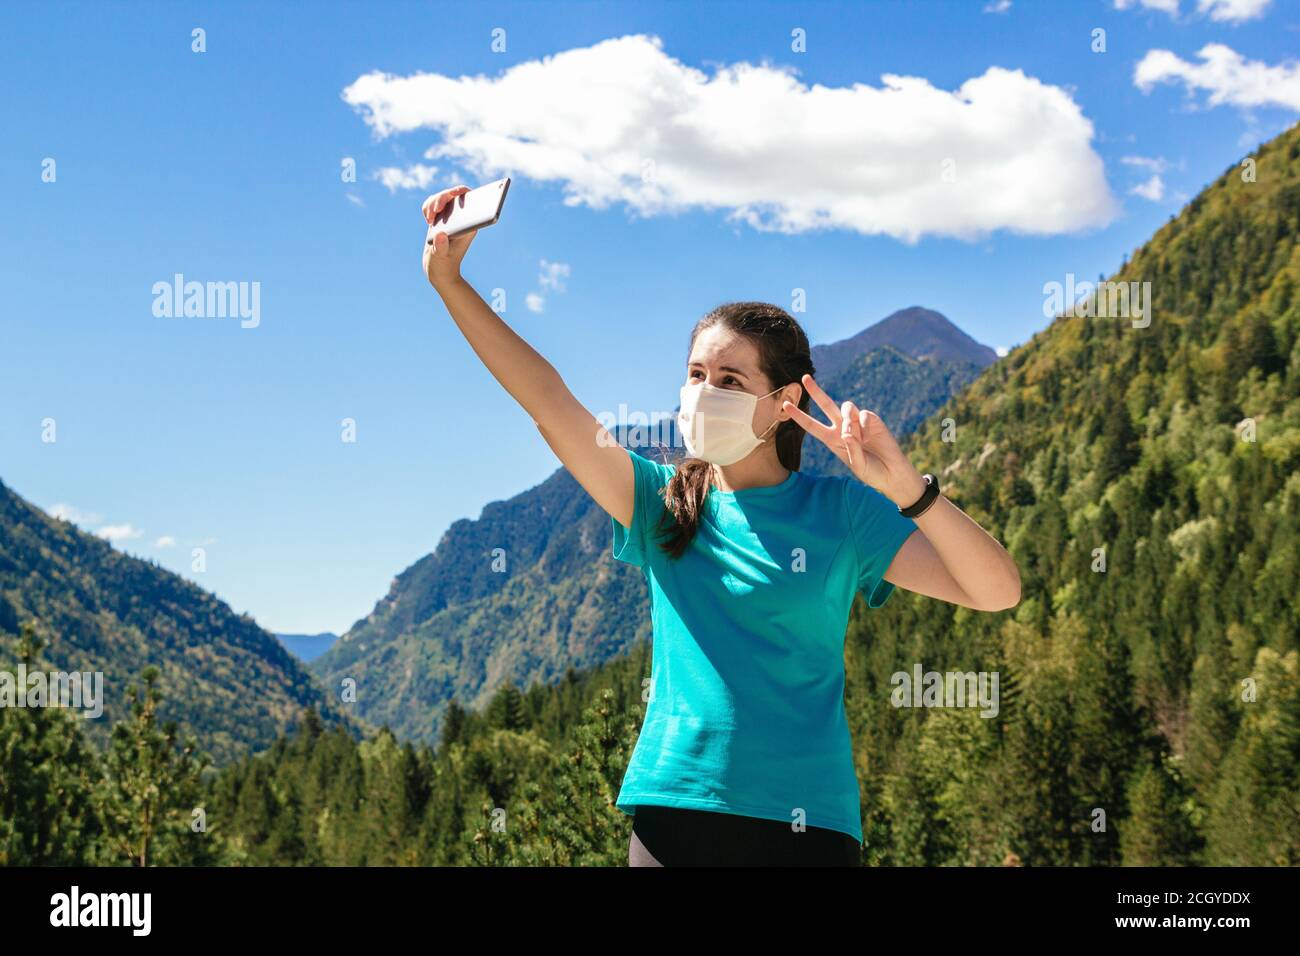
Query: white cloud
[355,199]
[119,532]
[553,275]
[1157,164]
[84,519]
[417,176]
[1002,351]
[1235,11]
[997,6]
[1153,189]
[1225,75]
[166,541]
[623,122]
[1165,6]
[66,512]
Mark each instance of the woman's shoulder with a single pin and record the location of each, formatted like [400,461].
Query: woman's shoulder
[821,481]
[654,460]
[863,500]
[842,491]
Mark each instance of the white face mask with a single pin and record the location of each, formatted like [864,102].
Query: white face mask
[717,424]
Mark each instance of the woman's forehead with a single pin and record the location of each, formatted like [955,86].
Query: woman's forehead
[718,346]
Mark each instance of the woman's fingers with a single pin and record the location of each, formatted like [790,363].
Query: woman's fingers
[822,399]
[809,424]
[828,435]
[450,195]
[850,434]
[435,203]
[431,206]
[875,431]
[850,426]
[441,246]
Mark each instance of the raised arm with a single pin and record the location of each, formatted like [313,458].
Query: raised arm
[583,445]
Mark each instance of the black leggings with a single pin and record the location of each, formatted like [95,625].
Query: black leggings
[670,836]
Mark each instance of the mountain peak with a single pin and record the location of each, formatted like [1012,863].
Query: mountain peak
[916,331]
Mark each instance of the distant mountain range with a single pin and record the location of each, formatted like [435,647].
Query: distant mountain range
[920,333]
[308,647]
[226,680]
[453,625]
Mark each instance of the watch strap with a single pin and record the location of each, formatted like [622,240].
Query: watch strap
[922,504]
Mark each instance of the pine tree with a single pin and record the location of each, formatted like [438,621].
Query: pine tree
[576,823]
[1260,347]
[506,709]
[1119,444]
[152,787]
[1254,817]
[47,779]
[394,801]
[1158,830]
[454,720]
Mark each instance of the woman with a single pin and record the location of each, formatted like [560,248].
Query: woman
[744,754]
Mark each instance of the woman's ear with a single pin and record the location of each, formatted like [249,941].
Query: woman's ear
[792,393]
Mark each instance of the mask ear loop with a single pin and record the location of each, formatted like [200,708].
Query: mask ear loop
[775,421]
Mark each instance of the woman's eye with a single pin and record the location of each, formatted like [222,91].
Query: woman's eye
[729,379]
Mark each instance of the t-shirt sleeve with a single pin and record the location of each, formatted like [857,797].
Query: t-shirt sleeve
[879,530]
[631,544]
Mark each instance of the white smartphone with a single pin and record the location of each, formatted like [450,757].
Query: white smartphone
[472,210]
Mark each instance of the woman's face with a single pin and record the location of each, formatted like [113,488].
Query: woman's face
[723,359]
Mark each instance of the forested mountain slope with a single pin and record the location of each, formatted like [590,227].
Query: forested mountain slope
[1161,691]
[226,680]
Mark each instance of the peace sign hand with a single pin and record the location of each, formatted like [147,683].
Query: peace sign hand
[860,439]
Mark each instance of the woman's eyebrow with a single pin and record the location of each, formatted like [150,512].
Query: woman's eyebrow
[722,368]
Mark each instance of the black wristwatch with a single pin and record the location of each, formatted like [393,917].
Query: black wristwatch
[922,504]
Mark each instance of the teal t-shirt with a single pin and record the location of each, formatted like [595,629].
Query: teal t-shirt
[746,709]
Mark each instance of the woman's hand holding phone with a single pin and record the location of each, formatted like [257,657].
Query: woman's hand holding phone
[442,258]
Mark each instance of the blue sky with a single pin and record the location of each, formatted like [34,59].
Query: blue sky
[227,165]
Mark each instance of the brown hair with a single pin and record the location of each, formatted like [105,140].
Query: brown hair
[784,356]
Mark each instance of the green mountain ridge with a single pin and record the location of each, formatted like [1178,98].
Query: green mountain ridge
[227,681]
[1145,480]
